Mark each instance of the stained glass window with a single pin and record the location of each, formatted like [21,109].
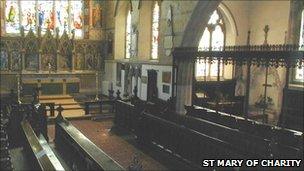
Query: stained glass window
[128,35]
[212,39]
[12,16]
[299,72]
[47,14]
[155,30]
[62,15]
[76,17]
[28,15]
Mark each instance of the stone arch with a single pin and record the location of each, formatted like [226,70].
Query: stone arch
[120,23]
[193,31]
[230,24]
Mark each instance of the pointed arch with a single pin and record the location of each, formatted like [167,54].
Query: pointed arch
[192,34]
[228,17]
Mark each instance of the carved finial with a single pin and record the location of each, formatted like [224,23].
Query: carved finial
[248,37]
[118,95]
[59,110]
[22,31]
[266,29]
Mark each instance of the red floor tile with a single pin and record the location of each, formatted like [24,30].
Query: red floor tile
[116,147]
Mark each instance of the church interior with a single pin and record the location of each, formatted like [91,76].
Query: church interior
[151,85]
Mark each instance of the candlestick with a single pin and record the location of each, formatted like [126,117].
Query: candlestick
[97,85]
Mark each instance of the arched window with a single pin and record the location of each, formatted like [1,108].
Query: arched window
[47,14]
[155,30]
[128,35]
[299,72]
[213,39]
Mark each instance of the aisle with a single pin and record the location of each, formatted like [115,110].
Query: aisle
[122,148]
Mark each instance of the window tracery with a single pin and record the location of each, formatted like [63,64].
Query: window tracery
[299,72]
[213,39]
[128,35]
[155,30]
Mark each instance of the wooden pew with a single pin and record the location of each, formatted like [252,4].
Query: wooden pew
[125,116]
[160,130]
[243,138]
[251,132]
[82,153]
[5,158]
[189,144]
[42,156]
[249,126]
[250,145]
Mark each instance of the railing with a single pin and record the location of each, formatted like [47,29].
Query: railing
[100,103]
[42,155]
[87,106]
[82,153]
[51,108]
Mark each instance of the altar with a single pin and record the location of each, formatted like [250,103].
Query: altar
[51,86]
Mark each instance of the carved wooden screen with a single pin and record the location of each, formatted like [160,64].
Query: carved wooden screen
[65,53]
[3,57]
[31,52]
[91,56]
[79,54]
[15,55]
[48,52]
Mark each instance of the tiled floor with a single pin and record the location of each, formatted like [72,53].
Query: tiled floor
[119,148]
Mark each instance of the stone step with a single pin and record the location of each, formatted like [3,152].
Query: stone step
[56,97]
[71,107]
[59,101]
[71,113]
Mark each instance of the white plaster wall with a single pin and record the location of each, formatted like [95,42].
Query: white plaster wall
[272,13]
[159,69]
[110,77]
[276,15]
[239,11]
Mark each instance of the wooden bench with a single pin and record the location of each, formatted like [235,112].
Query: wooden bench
[189,144]
[127,115]
[39,150]
[79,151]
[249,126]
[234,135]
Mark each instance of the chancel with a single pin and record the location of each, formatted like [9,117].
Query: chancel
[152,85]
